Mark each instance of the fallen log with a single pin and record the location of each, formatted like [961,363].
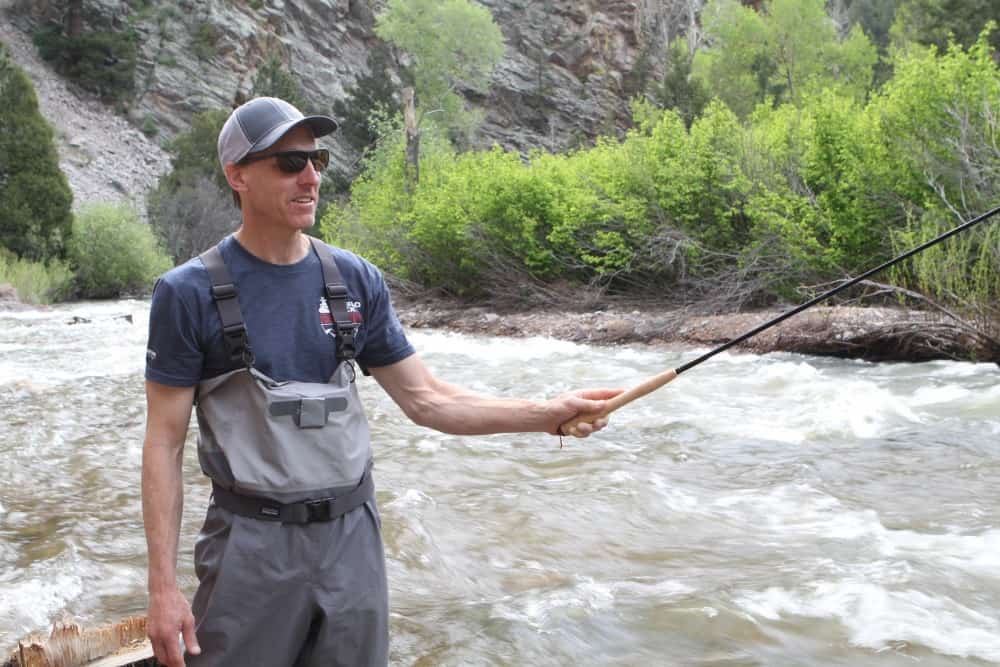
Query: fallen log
[121,644]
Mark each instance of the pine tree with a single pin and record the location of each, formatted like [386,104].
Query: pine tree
[35,199]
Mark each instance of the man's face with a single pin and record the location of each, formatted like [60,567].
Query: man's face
[278,198]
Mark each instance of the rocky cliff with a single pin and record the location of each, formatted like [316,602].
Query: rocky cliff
[569,69]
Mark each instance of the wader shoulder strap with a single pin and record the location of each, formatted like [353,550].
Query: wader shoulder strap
[234,332]
[336,300]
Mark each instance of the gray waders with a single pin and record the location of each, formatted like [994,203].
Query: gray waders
[290,561]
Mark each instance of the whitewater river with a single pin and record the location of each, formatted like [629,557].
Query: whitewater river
[774,510]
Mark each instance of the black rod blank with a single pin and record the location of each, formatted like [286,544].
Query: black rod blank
[826,295]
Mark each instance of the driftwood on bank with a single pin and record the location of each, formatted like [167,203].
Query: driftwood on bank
[873,334]
[121,644]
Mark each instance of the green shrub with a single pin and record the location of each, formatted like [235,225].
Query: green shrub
[114,253]
[965,269]
[205,41]
[35,282]
[149,126]
[102,62]
[35,199]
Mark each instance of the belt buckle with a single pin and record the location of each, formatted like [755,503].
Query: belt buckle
[319,510]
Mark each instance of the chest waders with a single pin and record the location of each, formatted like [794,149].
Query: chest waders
[279,444]
[288,574]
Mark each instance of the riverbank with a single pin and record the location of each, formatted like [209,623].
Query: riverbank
[874,333]
[851,332]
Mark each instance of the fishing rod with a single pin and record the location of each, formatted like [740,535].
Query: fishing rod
[653,383]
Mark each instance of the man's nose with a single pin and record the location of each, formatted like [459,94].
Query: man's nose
[309,175]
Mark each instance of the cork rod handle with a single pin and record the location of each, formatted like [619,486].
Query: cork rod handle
[648,385]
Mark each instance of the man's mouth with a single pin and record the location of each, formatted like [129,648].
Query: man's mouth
[303,200]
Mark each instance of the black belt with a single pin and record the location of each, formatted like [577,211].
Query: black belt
[307,511]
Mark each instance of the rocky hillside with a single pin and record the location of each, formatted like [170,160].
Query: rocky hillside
[569,69]
[103,155]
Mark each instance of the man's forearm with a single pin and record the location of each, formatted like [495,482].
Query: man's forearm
[459,412]
[162,506]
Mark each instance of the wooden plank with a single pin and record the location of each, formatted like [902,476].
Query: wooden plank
[139,656]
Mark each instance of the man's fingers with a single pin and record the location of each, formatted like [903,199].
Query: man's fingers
[168,653]
[599,394]
[190,639]
[175,658]
[158,650]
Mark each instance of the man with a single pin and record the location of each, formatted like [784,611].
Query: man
[262,333]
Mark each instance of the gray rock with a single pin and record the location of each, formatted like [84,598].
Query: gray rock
[8,293]
[563,80]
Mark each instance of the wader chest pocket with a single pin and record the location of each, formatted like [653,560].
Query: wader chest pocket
[308,412]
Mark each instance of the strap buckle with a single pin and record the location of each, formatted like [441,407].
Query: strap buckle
[224,291]
[336,291]
[319,510]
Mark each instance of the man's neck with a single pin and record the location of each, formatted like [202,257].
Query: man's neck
[275,246]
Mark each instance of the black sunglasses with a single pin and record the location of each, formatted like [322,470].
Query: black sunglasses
[292,162]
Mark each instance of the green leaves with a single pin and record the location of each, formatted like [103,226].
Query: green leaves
[35,198]
[787,51]
[825,180]
[450,43]
[114,253]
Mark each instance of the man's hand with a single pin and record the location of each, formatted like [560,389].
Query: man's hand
[586,403]
[169,617]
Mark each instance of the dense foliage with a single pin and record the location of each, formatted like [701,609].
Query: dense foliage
[35,281]
[101,61]
[35,199]
[808,175]
[113,253]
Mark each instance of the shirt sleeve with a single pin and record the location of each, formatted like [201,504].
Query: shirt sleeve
[385,340]
[174,354]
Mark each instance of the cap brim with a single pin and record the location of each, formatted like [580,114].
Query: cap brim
[320,126]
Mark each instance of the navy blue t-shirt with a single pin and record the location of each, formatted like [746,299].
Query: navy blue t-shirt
[287,320]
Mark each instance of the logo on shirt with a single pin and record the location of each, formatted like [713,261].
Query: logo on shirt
[326,317]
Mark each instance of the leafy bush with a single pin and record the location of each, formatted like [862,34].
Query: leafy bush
[35,282]
[114,253]
[102,62]
[739,210]
[35,199]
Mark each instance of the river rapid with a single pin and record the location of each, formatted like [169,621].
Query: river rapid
[759,510]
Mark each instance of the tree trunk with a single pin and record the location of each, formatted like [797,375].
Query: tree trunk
[74,18]
[412,168]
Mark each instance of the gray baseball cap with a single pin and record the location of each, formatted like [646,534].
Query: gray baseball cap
[260,122]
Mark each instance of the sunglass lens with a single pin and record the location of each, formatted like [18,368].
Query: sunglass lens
[320,159]
[292,163]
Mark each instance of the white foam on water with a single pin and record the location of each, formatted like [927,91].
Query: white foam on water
[492,351]
[53,351]
[545,607]
[975,554]
[428,445]
[409,499]
[793,402]
[875,617]
[794,510]
[674,498]
[937,395]
[31,602]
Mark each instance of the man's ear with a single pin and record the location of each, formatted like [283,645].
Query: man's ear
[236,177]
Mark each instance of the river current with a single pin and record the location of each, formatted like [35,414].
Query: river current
[759,510]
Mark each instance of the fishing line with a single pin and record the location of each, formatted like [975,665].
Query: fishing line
[656,381]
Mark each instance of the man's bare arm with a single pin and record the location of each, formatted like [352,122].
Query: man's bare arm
[431,402]
[168,411]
